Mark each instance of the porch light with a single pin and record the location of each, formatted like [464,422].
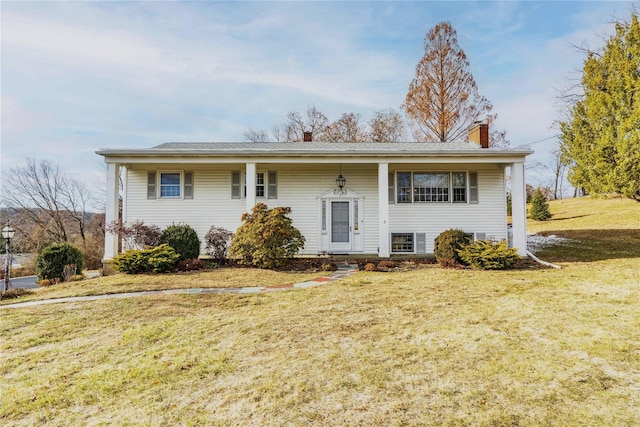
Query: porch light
[7,234]
[341,182]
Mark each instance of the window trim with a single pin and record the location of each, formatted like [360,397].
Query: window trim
[412,242]
[470,191]
[159,184]
[270,189]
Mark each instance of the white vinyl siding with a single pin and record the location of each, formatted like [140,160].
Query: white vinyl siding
[488,216]
[299,186]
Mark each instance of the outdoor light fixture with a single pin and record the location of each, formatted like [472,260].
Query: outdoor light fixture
[341,181]
[7,234]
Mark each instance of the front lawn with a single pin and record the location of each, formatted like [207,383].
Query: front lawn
[118,283]
[430,346]
[426,347]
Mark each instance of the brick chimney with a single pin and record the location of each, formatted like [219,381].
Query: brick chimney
[479,134]
[307,136]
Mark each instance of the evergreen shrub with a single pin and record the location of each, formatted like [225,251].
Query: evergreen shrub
[161,259]
[183,239]
[539,207]
[51,262]
[488,255]
[447,245]
[266,238]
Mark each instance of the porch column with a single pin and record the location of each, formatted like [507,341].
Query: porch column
[112,210]
[251,186]
[519,208]
[383,210]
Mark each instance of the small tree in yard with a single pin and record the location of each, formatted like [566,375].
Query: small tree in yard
[266,238]
[539,207]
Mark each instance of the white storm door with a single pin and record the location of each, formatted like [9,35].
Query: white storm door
[340,225]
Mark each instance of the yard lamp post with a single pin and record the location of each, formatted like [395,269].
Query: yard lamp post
[7,234]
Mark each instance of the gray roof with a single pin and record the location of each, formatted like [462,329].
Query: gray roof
[310,148]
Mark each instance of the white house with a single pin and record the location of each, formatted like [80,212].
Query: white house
[346,198]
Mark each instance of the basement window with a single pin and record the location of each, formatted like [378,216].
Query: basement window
[402,242]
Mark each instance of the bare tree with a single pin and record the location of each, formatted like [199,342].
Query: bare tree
[346,129]
[314,121]
[47,201]
[386,126]
[256,135]
[443,100]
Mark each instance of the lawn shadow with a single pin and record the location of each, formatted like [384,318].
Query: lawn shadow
[592,245]
[568,217]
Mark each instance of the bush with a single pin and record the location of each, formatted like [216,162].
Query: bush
[266,238]
[52,260]
[487,255]
[183,239]
[217,242]
[160,259]
[539,207]
[447,244]
[370,267]
[136,235]
[191,264]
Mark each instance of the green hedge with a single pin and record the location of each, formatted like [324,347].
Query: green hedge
[161,259]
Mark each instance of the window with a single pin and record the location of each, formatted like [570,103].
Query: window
[324,215]
[402,242]
[259,184]
[473,187]
[266,185]
[427,187]
[459,187]
[170,184]
[404,187]
[151,185]
[430,187]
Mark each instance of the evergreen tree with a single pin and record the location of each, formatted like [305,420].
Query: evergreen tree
[601,139]
[539,207]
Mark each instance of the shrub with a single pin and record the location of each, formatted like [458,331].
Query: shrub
[52,260]
[370,267]
[136,235]
[539,207]
[487,255]
[131,262]
[447,244]
[266,238]
[160,259]
[16,293]
[217,242]
[183,239]
[191,264]
[387,263]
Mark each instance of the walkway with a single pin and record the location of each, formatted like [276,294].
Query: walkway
[344,270]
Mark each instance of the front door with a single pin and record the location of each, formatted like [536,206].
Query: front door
[340,226]
[341,222]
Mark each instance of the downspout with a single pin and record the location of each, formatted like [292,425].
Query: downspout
[539,261]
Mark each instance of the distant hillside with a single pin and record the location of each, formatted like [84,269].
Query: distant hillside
[584,213]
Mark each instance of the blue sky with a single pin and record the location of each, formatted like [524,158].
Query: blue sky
[79,76]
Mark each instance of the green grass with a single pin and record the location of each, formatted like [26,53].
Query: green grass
[426,347]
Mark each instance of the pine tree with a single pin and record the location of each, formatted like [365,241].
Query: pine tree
[601,139]
[539,207]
